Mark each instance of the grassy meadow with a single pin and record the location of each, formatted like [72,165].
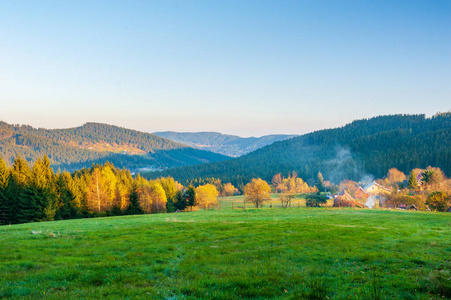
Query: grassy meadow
[280,253]
[238,202]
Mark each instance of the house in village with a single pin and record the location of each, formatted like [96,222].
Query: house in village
[344,199]
[361,194]
[376,189]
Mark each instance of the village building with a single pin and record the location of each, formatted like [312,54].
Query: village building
[344,199]
[376,189]
[361,194]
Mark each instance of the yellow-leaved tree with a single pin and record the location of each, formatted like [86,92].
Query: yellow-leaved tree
[229,189]
[207,195]
[158,196]
[257,192]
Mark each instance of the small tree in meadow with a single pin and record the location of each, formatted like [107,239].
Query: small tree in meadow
[257,192]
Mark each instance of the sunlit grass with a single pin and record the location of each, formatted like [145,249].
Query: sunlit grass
[239,202]
[232,254]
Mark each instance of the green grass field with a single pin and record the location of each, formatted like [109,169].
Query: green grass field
[232,254]
[238,202]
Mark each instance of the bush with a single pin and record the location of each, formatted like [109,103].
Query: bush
[438,201]
[316,200]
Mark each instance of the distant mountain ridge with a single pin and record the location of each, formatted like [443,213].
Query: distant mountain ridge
[363,147]
[78,147]
[230,145]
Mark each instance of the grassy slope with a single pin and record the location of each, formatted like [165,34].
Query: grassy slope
[258,254]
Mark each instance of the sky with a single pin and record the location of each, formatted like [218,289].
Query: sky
[239,67]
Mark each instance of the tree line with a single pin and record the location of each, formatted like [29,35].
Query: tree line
[36,193]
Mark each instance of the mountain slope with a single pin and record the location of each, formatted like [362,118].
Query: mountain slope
[79,147]
[363,147]
[230,145]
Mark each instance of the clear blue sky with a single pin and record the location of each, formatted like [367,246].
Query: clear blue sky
[241,67]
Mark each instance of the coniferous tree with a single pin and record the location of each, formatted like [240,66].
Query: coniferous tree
[190,195]
[19,179]
[28,208]
[4,178]
[66,190]
[43,190]
[413,182]
[180,201]
[170,206]
[320,182]
[134,208]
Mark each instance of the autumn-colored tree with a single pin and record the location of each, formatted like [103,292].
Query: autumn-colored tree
[109,186]
[123,187]
[395,176]
[207,195]
[349,186]
[285,199]
[158,196]
[169,186]
[96,196]
[277,183]
[432,178]
[292,184]
[438,201]
[257,192]
[229,189]
[144,197]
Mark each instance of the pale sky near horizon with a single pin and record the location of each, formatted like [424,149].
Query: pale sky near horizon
[237,67]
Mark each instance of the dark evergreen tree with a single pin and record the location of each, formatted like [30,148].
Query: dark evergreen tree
[4,177]
[115,211]
[134,208]
[28,209]
[190,195]
[179,201]
[18,181]
[45,190]
[170,206]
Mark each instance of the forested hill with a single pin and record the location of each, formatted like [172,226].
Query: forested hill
[230,145]
[74,148]
[363,147]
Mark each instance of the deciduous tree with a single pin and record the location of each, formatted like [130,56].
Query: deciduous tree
[207,195]
[257,192]
[395,176]
[229,189]
[438,201]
